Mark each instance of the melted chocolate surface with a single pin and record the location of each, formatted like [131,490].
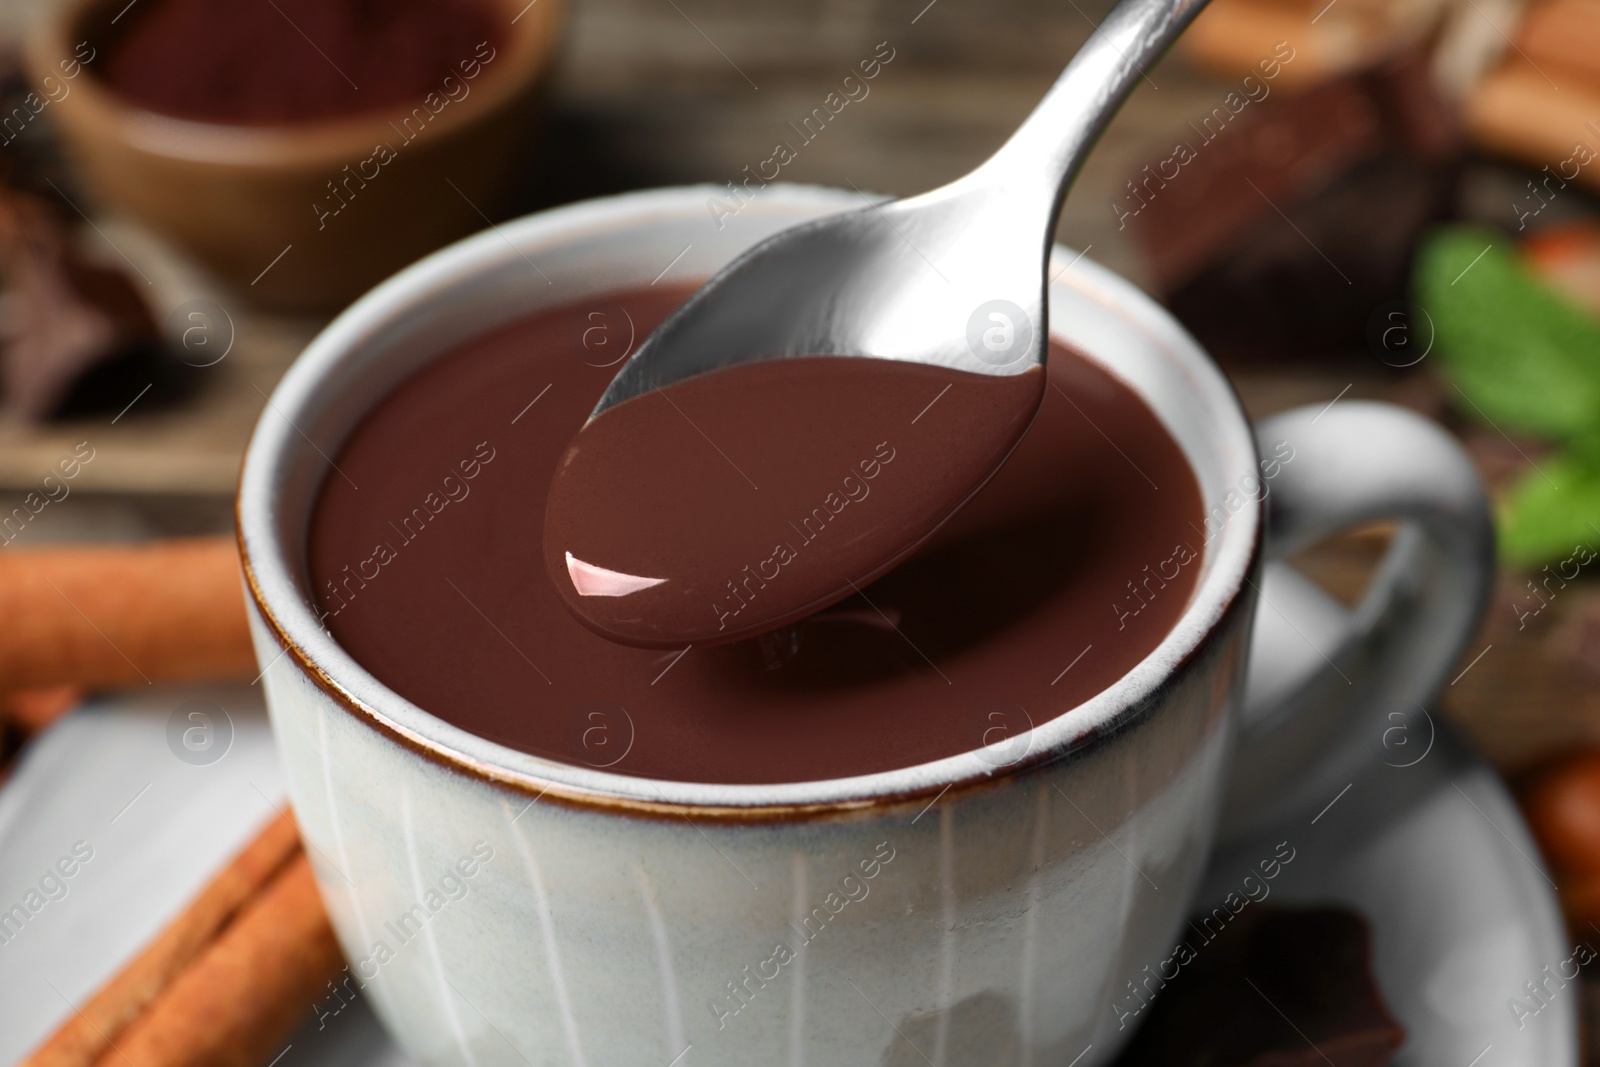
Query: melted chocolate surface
[1064,571]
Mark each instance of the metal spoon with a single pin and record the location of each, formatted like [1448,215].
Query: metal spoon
[954,277]
[648,548]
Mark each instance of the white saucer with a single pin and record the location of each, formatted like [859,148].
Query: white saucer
[1427,844]
[1434,854]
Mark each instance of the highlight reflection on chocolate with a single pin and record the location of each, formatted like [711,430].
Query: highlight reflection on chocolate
[432,576]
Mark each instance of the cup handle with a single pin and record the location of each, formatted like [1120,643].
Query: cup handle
[1327,685]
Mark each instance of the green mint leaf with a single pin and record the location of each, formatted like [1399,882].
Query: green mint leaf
[1522,356]
[1555,508]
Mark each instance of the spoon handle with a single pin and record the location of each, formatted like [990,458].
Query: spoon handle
[1053,141]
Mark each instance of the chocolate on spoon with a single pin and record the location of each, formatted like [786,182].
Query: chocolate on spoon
[737,501]
[817,338]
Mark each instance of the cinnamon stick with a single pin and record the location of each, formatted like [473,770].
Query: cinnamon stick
[113,616]
[1231,37]
[1563,34]
[34,709]
[1515,112]
[90,1032]
[243,996]
[25,712]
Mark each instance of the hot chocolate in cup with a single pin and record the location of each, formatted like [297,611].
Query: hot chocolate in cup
[997,902]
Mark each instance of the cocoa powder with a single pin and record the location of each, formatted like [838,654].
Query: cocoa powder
[272,61]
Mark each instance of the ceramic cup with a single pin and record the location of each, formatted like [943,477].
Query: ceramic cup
[995,907]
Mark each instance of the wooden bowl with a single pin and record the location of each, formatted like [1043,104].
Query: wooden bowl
[304,215]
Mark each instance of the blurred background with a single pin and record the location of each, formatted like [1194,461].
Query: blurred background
[1388,199]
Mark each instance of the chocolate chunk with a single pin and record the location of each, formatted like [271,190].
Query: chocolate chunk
[1421,123]
[1310,282]
[1242,169]
[1276,987]
[1292,221]
[78,334]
